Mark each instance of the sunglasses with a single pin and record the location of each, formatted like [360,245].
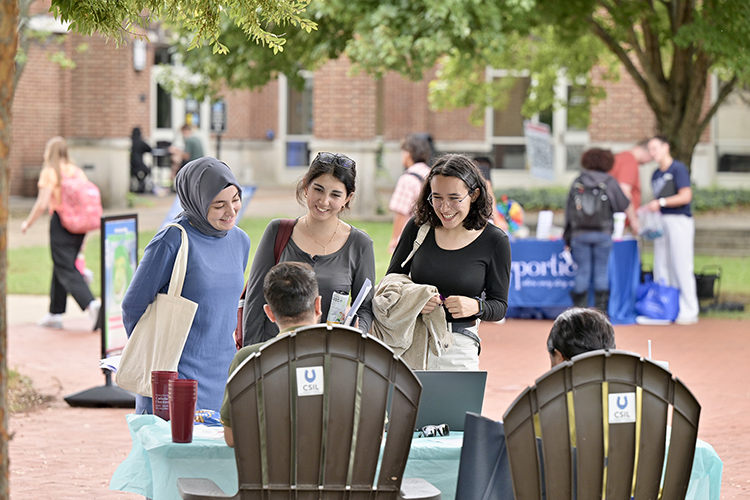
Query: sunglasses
[335,159]
[434,430]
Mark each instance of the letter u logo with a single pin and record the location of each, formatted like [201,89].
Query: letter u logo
[311,378]
[624,402]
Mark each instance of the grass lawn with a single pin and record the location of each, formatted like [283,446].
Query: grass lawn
[29,269]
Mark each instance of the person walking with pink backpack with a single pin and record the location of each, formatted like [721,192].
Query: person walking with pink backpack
[64,244]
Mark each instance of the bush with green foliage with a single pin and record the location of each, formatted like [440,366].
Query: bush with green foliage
[554,198]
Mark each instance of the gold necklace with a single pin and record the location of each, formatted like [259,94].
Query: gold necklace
[329,241]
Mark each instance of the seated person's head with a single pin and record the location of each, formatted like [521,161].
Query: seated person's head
[577,331]
[291,293]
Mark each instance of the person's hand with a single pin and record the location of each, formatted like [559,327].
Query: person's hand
[653,206]
[461,307]
[431,305]
[24,226]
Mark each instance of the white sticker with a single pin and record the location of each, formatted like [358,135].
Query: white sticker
[622,408]
[310,381]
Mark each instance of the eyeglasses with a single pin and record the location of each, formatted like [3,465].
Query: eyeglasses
[452,201]
[336,159]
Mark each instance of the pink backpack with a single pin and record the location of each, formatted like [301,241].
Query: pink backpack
[80,207]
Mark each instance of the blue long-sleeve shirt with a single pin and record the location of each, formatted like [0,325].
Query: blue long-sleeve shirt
[214,280]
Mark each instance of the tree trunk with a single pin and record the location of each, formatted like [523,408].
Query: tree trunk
[8,46]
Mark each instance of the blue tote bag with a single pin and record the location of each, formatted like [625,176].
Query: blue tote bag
[657,300]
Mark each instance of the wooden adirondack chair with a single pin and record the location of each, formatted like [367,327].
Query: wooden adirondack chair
[308,415]
[597,427]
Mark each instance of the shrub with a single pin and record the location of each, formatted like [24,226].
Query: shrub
[554,198]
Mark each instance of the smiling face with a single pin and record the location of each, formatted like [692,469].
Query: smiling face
[326,197]
[222,213]
[658,149]
[450,200]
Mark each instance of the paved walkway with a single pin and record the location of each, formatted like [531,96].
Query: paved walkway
[70,453]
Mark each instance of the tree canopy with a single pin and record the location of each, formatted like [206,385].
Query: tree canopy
[119,20]
[669,48]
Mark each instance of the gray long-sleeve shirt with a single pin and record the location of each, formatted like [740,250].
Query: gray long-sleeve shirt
[342,271]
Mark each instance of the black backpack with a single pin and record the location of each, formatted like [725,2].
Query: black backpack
[589,206]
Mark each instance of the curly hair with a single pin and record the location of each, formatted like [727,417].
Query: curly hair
[598,159]
[461,167]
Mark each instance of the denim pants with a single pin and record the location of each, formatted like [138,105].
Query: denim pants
[591,252]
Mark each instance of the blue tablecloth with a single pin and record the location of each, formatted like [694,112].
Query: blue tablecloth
[541,280]
[155,462]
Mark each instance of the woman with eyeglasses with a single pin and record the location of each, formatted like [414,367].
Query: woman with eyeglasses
[464,257]
[341,255]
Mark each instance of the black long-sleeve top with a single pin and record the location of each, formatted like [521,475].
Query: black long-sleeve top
[481,266]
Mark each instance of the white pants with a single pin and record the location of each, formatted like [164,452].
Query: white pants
[462,355]
[673,261]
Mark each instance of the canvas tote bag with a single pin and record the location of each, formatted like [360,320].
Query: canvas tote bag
[159,336]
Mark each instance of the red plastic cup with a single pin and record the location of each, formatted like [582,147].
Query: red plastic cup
[160,392]
[183,394]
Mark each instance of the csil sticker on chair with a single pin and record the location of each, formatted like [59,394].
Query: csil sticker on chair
[310,381]
[622,408]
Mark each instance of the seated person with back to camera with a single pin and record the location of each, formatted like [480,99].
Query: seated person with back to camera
[292,301]
[575,331]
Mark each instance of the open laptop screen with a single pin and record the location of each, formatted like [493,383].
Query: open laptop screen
[448,395]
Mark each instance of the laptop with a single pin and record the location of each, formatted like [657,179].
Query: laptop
[448,395]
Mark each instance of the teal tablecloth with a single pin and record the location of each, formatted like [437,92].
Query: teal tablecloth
[155,462]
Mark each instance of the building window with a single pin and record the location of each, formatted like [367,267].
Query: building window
[578,115]
[163,55]
[508,141]
[733,132]
[299,123]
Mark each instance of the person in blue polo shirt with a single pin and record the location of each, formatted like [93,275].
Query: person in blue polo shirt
[673,253]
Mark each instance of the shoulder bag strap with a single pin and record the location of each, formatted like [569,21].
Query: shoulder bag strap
[180,264]
[283,234]
[421,234]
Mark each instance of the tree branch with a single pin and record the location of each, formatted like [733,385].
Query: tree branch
[650,84]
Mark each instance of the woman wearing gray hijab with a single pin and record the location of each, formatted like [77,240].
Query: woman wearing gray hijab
[218,253]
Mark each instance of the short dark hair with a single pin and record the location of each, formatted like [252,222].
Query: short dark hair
[419,146]
[290,290]
[662,138]
[598,159]
[461,167]
[578,330]
[344,171]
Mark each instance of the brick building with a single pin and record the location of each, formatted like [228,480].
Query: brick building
[273,133]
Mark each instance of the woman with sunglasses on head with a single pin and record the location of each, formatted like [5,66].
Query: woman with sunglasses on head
[464,257]
[341,255]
